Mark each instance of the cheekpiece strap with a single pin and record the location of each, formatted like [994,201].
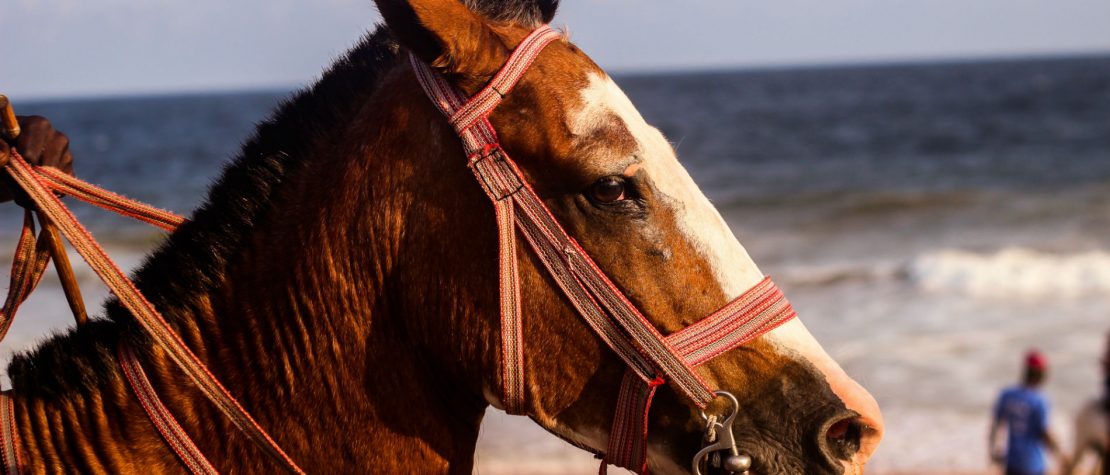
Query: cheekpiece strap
[500,180]
[652,359]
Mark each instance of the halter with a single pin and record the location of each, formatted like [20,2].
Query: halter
[652,359]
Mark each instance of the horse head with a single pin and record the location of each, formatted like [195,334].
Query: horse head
[614,182]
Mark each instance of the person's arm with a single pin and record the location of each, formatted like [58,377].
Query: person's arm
[992,444]
[993,451]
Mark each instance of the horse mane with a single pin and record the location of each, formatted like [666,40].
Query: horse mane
[190,263]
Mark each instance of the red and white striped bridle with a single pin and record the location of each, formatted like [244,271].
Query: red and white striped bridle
[652,358]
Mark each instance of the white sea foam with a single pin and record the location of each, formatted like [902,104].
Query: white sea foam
[1012,272]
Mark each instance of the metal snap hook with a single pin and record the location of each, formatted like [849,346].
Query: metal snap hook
[719,438]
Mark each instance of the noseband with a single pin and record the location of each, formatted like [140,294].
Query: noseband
[652,359]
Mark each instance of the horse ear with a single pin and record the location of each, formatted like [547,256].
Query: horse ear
[547,9]
[447,35]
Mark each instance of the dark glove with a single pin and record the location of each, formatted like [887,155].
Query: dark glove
[39,144]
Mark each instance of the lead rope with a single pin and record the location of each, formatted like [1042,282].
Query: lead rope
[39,186]
[652,359]
[28,265]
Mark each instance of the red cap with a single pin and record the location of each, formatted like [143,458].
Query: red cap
[1035,360]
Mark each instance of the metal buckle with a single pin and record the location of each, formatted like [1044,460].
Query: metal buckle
[719,438]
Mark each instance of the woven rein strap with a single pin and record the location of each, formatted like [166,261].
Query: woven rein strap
[30,260]
[32,256]
[9,437]
[28,265]
[476,142]
[70,185]
[39,189]
[172,432]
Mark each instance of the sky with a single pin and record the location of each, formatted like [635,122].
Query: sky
[66,48]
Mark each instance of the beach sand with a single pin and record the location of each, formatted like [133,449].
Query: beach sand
[514,445]
[921,431]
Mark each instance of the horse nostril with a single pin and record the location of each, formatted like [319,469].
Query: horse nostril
[842,438]
[840,429]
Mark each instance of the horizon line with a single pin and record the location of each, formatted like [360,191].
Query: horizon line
[876,63]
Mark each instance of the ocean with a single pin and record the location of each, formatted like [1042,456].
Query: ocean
[930,222]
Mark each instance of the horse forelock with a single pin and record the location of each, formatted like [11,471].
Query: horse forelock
[522,13]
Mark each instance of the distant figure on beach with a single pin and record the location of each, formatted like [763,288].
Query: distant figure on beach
[1092,425]
[1023,411]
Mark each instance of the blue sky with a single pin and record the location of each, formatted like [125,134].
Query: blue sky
[51,48]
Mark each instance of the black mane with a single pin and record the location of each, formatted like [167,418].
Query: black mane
[188,265]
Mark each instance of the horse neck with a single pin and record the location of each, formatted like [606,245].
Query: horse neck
[316,322]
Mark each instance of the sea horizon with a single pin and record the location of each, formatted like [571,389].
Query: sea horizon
[618,74]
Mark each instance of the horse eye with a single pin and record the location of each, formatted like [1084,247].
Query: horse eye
[607,190]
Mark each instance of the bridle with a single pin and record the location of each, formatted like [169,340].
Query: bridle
[652,358]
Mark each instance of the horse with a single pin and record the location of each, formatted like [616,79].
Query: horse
[341,279]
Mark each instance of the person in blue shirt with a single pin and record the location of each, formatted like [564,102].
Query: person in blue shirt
[1023,411]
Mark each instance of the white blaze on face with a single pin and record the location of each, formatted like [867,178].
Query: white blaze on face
[703,227]
[697,219]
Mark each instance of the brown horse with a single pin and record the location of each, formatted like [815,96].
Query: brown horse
[341,281]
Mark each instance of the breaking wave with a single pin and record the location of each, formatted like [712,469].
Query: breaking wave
[1012,272]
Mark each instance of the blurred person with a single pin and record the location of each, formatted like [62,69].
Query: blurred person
[1092,425]
[1023,411]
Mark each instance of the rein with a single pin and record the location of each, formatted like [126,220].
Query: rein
[40,185]
[652,359]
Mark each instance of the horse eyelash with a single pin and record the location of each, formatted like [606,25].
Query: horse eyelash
[633,204]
